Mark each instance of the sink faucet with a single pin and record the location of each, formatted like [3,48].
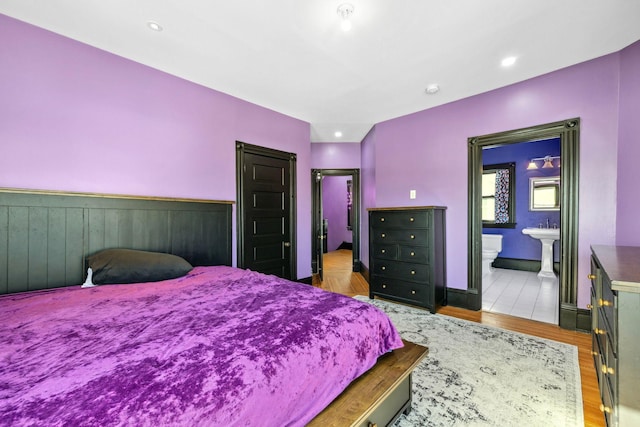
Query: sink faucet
[547,222]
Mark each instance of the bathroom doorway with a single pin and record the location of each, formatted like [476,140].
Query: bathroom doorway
[568,133]
[518,277]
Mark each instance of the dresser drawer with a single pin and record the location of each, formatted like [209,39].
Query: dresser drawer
[607,303]
[383,251]
[610,371]
[598,356]
[601,332]
[416,254]
[413,293]
[401,270]
[405,219]
[608,406]
[398,236]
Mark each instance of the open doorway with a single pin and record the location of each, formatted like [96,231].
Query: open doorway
[335,221]
[519,278]
[568,133]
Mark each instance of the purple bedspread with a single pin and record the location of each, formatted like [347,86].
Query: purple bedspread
[218,347]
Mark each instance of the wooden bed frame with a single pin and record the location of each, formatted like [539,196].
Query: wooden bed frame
[45,237]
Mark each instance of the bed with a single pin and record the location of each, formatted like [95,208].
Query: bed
[206,345]
[219,346]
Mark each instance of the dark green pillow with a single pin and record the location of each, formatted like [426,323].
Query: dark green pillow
[133,266]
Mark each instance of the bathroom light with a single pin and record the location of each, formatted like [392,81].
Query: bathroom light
[548,162]
[345,10]
[154,26]
[337,134]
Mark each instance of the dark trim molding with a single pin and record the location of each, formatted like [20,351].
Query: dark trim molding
[583,322]
[458,298]
[522,264]
[316,221]
[306,280]
[569,133]
[365,272]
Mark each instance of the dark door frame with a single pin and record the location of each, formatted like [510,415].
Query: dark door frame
[569,133]
[316,220]
[243,148]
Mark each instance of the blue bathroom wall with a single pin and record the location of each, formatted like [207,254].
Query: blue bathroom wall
[515,244]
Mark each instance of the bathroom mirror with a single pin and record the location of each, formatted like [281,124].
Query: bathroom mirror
[544,193]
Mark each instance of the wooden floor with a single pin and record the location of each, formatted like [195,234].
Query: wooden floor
[339,278]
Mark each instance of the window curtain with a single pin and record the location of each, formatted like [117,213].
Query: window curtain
[502,196]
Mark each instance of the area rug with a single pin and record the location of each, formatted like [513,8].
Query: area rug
[476,375]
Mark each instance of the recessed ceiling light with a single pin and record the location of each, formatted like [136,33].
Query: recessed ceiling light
[337,134]
[154,25]
[509,61]
[432,89]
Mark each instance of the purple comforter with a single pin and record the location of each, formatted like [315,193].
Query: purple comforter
[218,347]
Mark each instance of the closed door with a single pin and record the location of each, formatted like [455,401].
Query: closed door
[265,213]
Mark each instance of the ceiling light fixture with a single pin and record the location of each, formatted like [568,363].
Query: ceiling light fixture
[509,61]
[154,26]
[345,10]
[338,134]
[432,89]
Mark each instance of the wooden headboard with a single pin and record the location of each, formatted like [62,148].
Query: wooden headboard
[46,236]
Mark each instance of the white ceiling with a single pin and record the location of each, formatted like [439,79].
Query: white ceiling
[291,55]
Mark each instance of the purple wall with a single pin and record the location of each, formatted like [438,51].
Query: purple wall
[334,203]
[515,244]
[368,187]
[342,155]
[77,118]
[628,229]
[427,151]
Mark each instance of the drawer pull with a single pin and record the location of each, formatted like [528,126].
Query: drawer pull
[412,236]
[413,292]
[372,425]
[604,303]
[383,251]
[382,219]
[589,306]
[599,331]
[605,409]
[607,370]
[383,268]
[383,235]
[413,254]
[384,286]
[591,277]
[594,353]
[413,272]
[411,219]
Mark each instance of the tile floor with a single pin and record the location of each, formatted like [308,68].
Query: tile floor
[522,294]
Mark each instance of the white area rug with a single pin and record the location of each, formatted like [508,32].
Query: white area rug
[476,375]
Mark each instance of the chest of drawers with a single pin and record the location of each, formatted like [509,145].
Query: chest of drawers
[615,318]
[407,259]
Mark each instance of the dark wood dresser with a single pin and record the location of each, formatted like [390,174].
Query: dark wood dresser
[407,255]
[615,317]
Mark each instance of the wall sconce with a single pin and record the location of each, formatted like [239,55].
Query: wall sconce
[345,11]
[548,162]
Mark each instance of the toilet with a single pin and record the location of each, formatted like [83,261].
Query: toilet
[491,247]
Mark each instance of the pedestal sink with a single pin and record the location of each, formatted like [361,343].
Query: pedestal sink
[546,237]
